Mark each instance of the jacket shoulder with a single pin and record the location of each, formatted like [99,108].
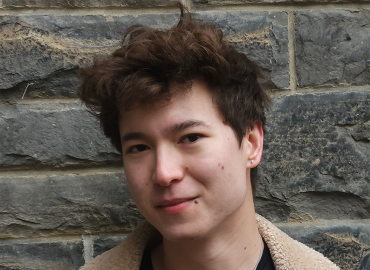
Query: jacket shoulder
[127,255]
[289,254]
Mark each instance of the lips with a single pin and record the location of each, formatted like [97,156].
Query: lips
[175,206]
[173,202]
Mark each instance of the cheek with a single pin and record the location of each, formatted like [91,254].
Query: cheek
[219,174]
[137,182]
[139,191]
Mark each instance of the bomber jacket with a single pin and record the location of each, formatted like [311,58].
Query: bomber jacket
[287,253]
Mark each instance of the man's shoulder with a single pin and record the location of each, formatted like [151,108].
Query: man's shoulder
[288,253]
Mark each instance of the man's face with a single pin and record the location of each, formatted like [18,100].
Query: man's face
[186,171]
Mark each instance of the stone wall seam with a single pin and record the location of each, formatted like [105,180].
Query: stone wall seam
[188,4]
[352,6]
[291,48]
[52,171]
[333,90]
[45,101]
[96,167]
[254,7]
[330,87]
[87,11]
[88,246]
[319,90]
[42,239]
[66,237]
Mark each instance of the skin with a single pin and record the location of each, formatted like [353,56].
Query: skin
[190,178]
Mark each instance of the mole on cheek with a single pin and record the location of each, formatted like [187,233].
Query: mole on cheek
[223,167]
[195,201]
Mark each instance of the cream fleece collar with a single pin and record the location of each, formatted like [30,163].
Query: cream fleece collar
[287,254]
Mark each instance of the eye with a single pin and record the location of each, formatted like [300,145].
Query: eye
[137,148]
[191,138]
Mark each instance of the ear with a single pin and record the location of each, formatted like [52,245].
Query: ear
[253,145]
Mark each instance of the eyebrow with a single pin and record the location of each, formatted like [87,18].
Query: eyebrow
[187,124]
[173,129]
[132,136]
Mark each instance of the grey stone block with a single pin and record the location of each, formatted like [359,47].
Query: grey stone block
[313,167]
[332,47]
[46,50]
[54,203]
[41,254]
[104,243]
[262,36]
[346,243]
[51,133]
[82,3]
[61,83]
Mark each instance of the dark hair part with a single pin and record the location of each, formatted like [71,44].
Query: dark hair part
[143,71]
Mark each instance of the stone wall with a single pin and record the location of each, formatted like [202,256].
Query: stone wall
[63,199]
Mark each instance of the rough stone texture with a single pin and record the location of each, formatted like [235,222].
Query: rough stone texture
[82,3]
[44,52]
[52,203]
[106,242]
[333,47]
[51,133]
[262,36]
[62,83]
[347,243]
[41,254]
[313,167]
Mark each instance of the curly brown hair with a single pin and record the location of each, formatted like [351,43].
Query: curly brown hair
[143,70]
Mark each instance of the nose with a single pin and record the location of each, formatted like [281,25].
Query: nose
[168,166]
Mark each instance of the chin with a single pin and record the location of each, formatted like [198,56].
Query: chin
[181,237]
[181,232]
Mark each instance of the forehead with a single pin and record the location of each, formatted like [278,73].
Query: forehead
[195,103]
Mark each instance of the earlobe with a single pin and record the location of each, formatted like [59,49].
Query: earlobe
[253,141]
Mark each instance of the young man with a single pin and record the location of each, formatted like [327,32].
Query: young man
[187,112]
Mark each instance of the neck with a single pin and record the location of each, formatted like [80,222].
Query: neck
[235,246]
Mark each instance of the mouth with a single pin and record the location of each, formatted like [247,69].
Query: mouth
[176,205]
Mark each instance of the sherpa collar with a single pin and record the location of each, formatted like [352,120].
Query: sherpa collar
[287,254]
